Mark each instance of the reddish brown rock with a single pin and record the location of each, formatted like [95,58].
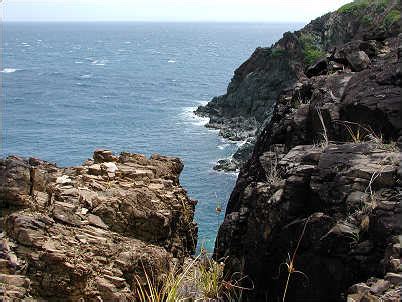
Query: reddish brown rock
[88,232]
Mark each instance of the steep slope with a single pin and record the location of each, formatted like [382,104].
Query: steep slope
[328,163]
[257,83]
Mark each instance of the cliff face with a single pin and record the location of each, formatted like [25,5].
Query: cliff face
[88,232]
[258,82]
[327,161]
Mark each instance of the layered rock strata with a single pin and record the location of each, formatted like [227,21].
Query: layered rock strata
[89,233]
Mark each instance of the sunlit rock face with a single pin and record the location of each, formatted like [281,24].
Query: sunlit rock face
[88,232]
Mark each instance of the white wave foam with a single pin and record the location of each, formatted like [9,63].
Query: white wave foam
[223,146]
[189,116]
[241,143]
[78,62]
[86,76]
[213,130]
[127,42]
[9,70]
[99,62]
[171,61]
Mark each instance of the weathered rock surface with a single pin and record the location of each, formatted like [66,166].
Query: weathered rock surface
[258,82]
[329,159]
[88,232]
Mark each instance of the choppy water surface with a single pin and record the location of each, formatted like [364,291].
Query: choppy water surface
[71,88]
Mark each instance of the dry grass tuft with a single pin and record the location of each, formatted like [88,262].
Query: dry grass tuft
[290,262]
[203,279]
[325,141]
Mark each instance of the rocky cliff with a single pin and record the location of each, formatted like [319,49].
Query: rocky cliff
[320,198]
[89,233]
[257,83]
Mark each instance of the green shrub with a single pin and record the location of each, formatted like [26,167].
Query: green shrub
[277,52]
[312,55]
[311,49]
[392,17]
[367,20]
[353,7]
[358,5]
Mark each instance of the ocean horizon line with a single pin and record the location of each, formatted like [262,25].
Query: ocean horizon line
[153,21]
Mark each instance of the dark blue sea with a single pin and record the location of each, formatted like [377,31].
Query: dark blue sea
[69,88]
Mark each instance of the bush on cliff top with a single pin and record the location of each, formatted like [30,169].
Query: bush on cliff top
[358,5]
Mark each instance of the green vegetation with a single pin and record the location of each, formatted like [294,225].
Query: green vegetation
[203,279]
[277,52]
[166,290]
[358,5]
[367,20]
[311,49]
[392,17]
[209,278]
[353,7]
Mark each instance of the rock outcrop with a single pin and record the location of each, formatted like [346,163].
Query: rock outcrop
[324,179]
[91,232]
[256,85]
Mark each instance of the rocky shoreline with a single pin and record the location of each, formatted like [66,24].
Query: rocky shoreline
[247,106]
[316,211]
[235,130]
[91,232]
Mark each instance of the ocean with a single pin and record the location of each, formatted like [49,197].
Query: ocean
[69,88]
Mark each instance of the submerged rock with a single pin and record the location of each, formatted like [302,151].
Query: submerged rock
[88,232]
[235,162]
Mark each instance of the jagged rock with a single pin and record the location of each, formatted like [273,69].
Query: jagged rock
[358,60]
[379,287]
[101,156]
[81,234]
[318,68]
[395,279]
[337,167]
[226,165]
[337,41]
[360,288]
[15,186]
[96,221]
